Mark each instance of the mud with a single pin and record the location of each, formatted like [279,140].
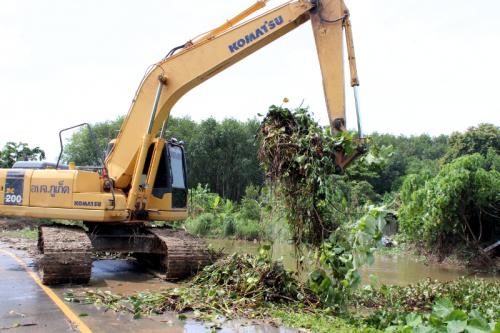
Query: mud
[17,243]
[15,223]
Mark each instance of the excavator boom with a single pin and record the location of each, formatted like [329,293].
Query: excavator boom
[198,62]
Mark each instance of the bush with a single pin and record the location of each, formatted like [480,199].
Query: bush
[247,229]
[201,200]
[202,225]
[229,226]
[458,207]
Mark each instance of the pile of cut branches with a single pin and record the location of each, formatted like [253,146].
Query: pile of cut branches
[240,285]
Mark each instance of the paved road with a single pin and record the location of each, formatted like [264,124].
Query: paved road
[25,307]
[23,302]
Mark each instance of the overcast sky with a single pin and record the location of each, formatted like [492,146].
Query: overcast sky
[425,66]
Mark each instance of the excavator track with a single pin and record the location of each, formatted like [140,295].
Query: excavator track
[66,255]
[184,254]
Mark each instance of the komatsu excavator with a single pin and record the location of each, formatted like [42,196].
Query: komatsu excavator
[143,177]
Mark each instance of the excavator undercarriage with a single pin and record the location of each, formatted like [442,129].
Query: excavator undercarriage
[66,252]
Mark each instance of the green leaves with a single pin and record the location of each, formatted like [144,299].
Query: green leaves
[453,208]
[413,320]
[442,308]
[341,256]
[462,305]
[13,152]
[456,326]
[444,318]
[475,140]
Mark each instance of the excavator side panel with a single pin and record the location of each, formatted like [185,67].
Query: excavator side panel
[58,194]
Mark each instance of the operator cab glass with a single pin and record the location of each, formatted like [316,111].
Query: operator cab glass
[171,176]
[177,166]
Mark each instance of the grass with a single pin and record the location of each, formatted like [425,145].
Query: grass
[25,233]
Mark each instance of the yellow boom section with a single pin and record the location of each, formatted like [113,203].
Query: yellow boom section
[230,23]
[172,77]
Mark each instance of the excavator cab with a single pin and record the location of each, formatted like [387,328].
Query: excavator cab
[171,176]
[163,188]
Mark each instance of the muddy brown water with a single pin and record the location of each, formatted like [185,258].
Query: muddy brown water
[388,268]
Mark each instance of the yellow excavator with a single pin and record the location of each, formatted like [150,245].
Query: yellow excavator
[143,176]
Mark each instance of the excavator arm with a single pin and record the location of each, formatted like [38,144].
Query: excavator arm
[197,61]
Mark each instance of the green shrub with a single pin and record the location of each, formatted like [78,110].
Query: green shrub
[247,229]
[457,207]
[201,200]
[229,226]
[202,225]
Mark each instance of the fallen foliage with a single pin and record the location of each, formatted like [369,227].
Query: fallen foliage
[240,285]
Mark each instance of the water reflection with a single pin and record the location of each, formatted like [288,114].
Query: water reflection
[388,269]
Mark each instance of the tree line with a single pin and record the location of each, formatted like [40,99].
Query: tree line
[444,190]
[223,154]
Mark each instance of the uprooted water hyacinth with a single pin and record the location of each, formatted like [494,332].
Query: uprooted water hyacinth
[240,285]
[299,158]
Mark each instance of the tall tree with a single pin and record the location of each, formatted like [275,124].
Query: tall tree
[87,147]
[475,140]
[13,152]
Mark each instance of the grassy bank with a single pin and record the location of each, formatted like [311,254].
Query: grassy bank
[25,233]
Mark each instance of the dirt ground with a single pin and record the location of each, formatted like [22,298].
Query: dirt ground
[15,223]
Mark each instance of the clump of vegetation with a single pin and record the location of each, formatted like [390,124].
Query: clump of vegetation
[445,318]
[212,216]
[466,294]
[299,158]
[239,285]
[458,207]
[464,305]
